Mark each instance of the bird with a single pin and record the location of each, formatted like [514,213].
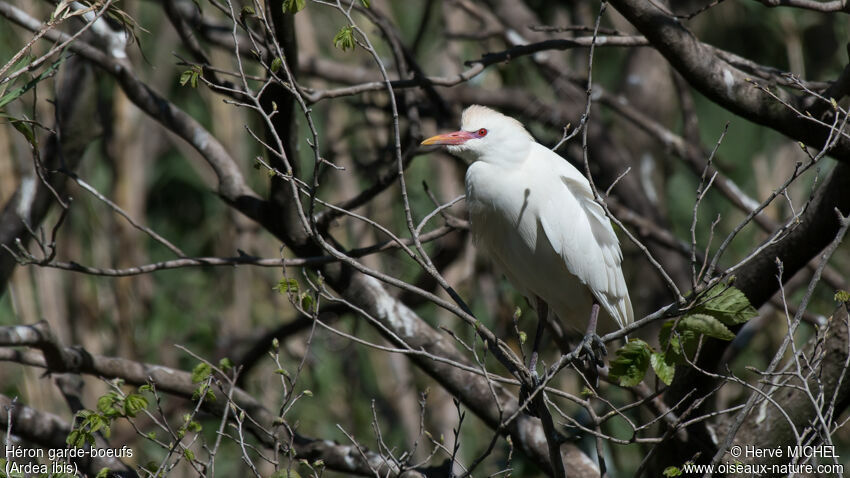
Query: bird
[534,214]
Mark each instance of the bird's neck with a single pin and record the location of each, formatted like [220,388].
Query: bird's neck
[507,156]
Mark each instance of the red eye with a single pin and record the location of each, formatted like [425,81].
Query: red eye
[482,132]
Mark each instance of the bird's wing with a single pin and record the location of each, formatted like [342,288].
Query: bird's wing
[581,233]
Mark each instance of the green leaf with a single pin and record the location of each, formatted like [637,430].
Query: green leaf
[286,285]
[191,76]
[201,372]
[365,3]
[727,304]
[106,403]
[200,392]
[707,325]
[293,6]
[103,473]
[18,92]
[344,39]
[25,129]
[306,301]
[185,77]
[276,64]
[134,403]
[22,62]
[522,337]
[671,471]
[631,363]
[842,296]
[189,454]
[225,364]
[664,369]
[74,439]
[675,345]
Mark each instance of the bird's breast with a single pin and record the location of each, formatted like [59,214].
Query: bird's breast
[499,204]
[503,216]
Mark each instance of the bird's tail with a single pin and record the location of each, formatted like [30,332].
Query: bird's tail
[624,313]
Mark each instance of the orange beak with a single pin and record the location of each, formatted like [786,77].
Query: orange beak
[458,137]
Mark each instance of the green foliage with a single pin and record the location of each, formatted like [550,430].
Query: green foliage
[663,366]
[676,346]
[344,39]
[3,474]
[671,471]
[286,285]
[306,301]
[293,6]
[203,392]
[842,296]
[365,3]
[110,406]
[225,364]
[276,64]
[21,125]
[89,424]
[191,76]
[24,128]
[631,363]
[194,426]
[706,325]
[20,91]
[201,372]
[725,305]
[133,404]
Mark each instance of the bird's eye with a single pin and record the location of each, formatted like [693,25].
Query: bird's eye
[482,132]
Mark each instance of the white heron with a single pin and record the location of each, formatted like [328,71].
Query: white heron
[534,215]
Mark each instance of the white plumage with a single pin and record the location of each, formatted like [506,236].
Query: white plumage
[533,213]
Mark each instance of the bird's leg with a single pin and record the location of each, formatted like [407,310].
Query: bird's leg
[542,313]
[526,389]
[592,345]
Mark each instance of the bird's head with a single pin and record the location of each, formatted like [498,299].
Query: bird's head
[486,135]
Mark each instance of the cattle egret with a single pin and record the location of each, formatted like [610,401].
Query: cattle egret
[534,215]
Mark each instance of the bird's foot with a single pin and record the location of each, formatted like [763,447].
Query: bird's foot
[593,350]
